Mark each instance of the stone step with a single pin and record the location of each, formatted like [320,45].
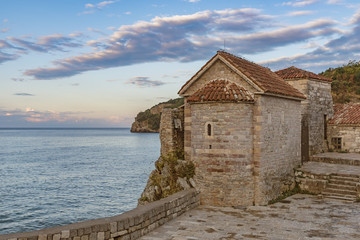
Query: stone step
[337,195]
[342,182]
[342,198]
[325,193]
[357,176]
[349,178]
[341,186]
[342,161]
[340,191]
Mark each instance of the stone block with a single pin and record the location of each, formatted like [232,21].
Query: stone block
[93,236]
[65,234]
[42,237]
[73,233]
[80,231]
[57,236]
[113,227]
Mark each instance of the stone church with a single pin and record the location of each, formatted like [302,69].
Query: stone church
[246,128]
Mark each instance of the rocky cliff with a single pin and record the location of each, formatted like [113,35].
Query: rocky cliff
[171,175]
[149,120]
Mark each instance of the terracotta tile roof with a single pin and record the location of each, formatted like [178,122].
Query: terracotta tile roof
[346,114]
[221,90]
[264,78]
[296,73]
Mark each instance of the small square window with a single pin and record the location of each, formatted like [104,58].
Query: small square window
[336,142]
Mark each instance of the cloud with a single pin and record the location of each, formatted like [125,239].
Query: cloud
[23,94]
[18,79]
[335,52]
[89,5]
[111,28]
[4,57]
[300,13]
[98,6]
[49,118]
[96,31]
[186,38]
[4,44]
[335,1]
[55,42]
[4,30]
[144,82]
[299,3]
[193,1]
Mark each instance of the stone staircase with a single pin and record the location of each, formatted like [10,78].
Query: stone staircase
[341,187]
[331,175]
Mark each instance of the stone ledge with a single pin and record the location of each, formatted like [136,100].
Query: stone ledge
[129,225]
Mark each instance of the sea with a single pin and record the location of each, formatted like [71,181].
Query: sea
[52,177]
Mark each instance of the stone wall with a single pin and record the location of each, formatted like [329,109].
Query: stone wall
[223,160]
[219,70]
[350,137]
[277,146]
[318,103]
[130,225]
[172,130]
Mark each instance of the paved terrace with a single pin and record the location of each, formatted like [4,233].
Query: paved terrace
[333,163]
[297,217]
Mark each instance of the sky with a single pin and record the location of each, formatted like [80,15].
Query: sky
[91,63]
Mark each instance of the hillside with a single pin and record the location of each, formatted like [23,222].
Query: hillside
[149,120]
[346,82]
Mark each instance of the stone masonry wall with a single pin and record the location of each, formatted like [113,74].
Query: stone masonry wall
[350,137]
[172,130]
[130,225]
[318,103]
[187,131]
[219,70]
[224,170]
[277,146]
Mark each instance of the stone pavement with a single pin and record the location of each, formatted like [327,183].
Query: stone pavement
[321,168]
[297,217]
[350,156]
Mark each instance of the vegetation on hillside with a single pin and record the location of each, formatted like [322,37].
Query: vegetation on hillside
[346,82]
[153,119]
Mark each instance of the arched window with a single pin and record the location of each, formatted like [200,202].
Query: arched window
[209,129]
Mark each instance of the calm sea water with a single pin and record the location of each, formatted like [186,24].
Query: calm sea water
[52,177]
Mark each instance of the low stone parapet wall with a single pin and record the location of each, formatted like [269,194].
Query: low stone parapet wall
[314,183]
[127,226]
[338,158]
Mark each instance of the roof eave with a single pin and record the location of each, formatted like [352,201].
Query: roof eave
[307,78]
[246,78]
[197,75]
[282,96]
[222,101]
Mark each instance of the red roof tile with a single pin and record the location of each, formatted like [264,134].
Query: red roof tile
[221,90]
[263,77]
[346,114]
[296,73]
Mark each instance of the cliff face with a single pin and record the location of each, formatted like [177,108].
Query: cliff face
[172,173]
[149,120]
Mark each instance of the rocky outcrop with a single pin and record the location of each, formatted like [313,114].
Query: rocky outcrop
[149,120]
[171,175]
